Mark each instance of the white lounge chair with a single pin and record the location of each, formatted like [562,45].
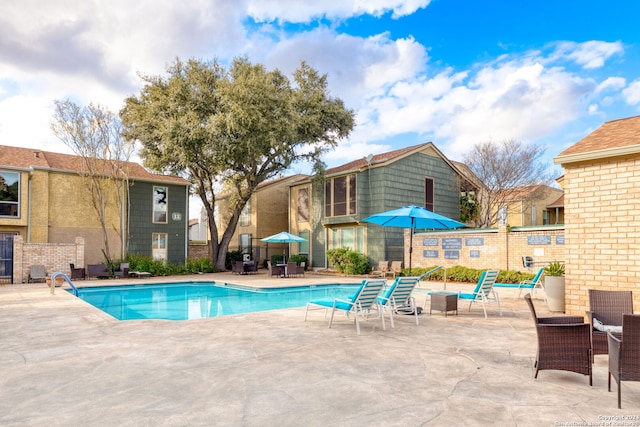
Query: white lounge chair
[360,304]
[483,292]
[398,297]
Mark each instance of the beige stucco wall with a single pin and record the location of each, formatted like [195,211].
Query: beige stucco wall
[602,201]
[269,215]
[298,224]
[519,213]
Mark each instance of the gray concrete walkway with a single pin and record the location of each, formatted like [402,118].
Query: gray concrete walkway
[65,363]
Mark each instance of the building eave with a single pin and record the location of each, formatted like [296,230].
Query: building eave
[597,154]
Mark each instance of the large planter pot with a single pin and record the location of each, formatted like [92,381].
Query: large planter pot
[554,288]
[59,281]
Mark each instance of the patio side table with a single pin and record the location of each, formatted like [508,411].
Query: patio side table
[444,301]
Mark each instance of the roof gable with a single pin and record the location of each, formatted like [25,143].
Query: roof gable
[386,158]
[613,138]
[29,158]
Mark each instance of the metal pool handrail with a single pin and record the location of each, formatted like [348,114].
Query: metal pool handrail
[57,274]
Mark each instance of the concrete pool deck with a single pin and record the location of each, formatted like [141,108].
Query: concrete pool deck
[65,363]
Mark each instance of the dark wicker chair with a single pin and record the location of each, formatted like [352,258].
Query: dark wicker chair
[122,271]
[624,363]
[564,343]
[250,267]
[608,307]
[77,273]
[237,267]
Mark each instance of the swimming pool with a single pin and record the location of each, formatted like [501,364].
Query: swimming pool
[195,300]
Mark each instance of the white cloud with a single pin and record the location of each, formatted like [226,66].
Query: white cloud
[90,51]
[29,124]
[514,97]
[591,54]
[611,83]
[357,67]
[632,93]
[305,11]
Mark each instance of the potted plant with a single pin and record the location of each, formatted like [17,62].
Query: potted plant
[554,285]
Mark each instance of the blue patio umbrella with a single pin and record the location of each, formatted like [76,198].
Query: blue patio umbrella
[283,237]
[413,217]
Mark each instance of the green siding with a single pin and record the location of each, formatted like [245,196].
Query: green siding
[398,184]
[142,227]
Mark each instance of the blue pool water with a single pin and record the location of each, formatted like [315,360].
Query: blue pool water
[195,300]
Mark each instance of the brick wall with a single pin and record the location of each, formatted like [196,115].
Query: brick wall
[198,251]
[602,201]
[54,256]
[501,248]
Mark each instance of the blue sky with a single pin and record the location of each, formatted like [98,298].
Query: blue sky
[454,72]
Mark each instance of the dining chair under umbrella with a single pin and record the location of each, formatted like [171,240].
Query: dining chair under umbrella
[283,237]
[413,217]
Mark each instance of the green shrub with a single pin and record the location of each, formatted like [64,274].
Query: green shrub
[469,275]
[161,268]
[276,259]
[231,257]
[300,259]
[348,262]
[202,265]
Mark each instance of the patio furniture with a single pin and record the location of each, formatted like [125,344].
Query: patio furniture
[624,363]
[37,272]
[444,301]
[293,269]
[290,269]
[237,267]
[250,267]
[77,273]
[398,298]
[533,284]
[98,270]
[360,304]
[381,270]
[395,269]
[607,307]
[301,268]
[139,274]
[564,343]
[483,291]
[122,271]
[275,270]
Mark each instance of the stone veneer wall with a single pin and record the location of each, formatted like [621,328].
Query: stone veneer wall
[54,256]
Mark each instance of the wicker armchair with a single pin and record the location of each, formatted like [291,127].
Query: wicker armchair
[608,307]
[624,363]
[564,343]
[77,273]
[237,267]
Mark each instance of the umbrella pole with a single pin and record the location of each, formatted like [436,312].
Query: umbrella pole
[413,223]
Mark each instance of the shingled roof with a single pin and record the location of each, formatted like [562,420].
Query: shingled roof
[29,158]
[613,138]
[387,157]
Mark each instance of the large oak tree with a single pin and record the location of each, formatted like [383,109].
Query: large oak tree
[234,127]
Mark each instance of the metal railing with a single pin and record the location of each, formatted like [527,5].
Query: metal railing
[57,274]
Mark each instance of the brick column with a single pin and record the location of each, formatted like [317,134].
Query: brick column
[18,252]
[79,262]
[503,247]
